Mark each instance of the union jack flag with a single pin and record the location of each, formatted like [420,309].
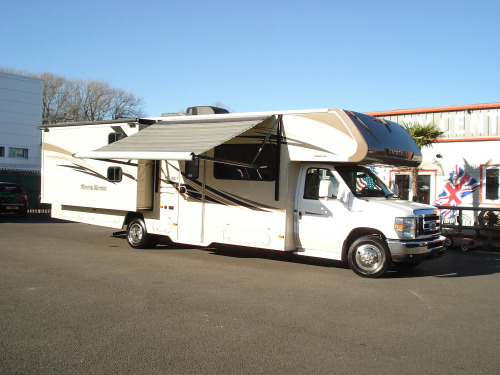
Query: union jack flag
[459,185]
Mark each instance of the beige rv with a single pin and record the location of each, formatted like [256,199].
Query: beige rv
[297,181]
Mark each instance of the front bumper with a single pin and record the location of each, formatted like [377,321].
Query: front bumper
[416,250]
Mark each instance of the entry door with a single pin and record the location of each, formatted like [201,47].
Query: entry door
[191,202]
[169,200]
[320,222]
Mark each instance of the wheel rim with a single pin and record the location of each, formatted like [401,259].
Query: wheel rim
[369,258]
[135,233]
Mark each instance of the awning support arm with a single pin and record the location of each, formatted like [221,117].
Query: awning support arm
[278,158]
[229,162]
[266,139]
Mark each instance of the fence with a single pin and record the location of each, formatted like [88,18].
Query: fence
[482,227]
[29,179]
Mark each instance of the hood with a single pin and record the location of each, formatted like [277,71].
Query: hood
[399,207]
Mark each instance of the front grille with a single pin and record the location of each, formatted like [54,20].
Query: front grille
[428,225]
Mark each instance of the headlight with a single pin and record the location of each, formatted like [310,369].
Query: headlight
[405,227]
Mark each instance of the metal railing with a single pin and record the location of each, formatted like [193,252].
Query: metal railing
[483,225]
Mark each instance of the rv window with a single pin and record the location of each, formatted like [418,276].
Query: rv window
[312,182]
[114,174]
[492,184]
[245,153]
[113,137]
[362,181]
[192,169]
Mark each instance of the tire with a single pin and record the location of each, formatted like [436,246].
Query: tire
[137,235]
[369,256]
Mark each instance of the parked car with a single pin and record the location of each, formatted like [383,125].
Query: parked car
[13,199]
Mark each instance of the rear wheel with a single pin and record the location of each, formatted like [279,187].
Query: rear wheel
[369,256]
[137,235]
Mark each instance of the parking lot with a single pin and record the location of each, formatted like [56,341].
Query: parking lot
[74,299]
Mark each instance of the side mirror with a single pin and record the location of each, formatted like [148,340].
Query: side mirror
[344,193]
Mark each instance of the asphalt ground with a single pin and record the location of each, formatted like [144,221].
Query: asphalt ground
[74,299]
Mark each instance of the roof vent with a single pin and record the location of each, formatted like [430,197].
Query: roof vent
[205,110]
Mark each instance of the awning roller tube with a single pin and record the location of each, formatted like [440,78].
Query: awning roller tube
[136,155]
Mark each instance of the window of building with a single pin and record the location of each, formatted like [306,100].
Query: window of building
[15,152]
[2,151]
[245,153]
[491,183]
[113,137]
[425,186]
[114,174]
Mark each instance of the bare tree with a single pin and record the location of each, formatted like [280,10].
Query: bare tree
[95,100]
[58,98]
[125,105]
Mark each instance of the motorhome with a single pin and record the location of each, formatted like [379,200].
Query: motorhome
[296,181]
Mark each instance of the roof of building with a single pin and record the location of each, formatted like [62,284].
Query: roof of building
[452,108]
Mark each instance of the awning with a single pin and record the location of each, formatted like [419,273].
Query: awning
[178,139]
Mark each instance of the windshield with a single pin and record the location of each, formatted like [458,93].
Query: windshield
[363,182]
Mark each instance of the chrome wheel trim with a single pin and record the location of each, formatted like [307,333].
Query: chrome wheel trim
[135,233]
[369,258]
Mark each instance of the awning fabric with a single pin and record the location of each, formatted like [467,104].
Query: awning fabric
[174,139]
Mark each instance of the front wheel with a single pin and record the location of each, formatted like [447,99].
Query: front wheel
[137,235]
[369,256]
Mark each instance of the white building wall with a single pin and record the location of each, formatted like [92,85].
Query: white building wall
[20,113]
[463,167]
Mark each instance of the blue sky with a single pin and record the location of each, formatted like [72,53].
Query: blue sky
[265,55]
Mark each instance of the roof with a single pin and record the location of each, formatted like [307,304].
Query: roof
[435,109]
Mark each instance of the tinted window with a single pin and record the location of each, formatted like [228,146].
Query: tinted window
[115,174]
[192,169]
[245,153]
[492,184]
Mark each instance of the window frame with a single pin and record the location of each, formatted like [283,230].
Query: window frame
[116,135]
[484,185]
[114,177]
[15,152]
[228,171]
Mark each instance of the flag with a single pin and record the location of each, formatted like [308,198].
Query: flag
[459,185]
[366,182]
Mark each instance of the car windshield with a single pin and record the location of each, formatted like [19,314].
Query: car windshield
[363,182]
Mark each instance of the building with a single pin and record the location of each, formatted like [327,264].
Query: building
[20,141]
[20,113]
[462,168]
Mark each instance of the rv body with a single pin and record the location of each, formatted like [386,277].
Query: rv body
[294,181]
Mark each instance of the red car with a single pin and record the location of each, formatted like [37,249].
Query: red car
[13,199]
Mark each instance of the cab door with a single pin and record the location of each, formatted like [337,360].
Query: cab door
[320,220]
